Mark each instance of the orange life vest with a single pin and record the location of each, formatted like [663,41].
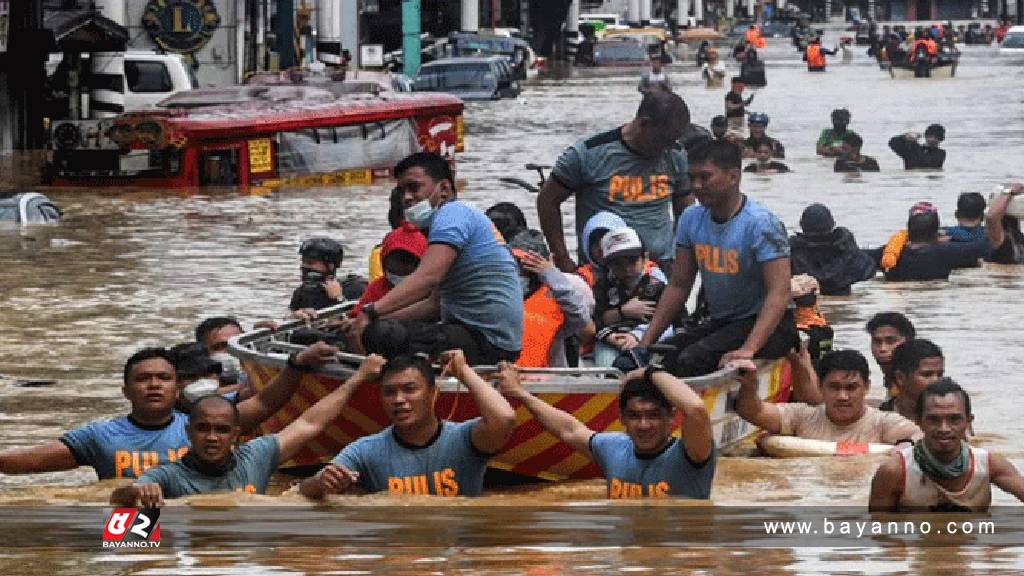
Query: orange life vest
[587,273]
[542,318]
[807,316]
[929,45]
[815,59]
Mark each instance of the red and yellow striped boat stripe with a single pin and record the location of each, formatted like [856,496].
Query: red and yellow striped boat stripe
[531,451]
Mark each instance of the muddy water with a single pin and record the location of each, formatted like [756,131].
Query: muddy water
[129,268]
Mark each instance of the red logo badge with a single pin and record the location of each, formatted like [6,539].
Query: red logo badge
[132,528]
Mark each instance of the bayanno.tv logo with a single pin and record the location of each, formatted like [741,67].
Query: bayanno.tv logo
[132,528]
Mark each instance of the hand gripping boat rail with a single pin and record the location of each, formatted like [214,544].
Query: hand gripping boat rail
[589,393]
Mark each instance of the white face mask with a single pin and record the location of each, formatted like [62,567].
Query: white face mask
[395,279]
[200,388]
[420,213]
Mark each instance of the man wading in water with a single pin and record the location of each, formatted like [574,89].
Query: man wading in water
[214,464]
[154,432]
[942,472]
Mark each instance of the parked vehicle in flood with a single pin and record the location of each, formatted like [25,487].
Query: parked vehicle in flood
[27,208]
[469,78]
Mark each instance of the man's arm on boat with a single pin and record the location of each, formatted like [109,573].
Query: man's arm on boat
[749,406]
[549,213]
[497,418]
[270,399]
[777,275]
[805,379]
[887,485]
[50,457]
[313,421]
[1005,475]
[561,424]
[417,286]
[427,309]
[698,438]
[672,303]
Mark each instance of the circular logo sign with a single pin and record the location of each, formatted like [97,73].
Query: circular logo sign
[181,25]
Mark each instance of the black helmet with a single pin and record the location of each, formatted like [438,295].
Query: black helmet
[323,249]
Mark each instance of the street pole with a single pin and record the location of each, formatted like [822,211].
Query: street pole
[410,37]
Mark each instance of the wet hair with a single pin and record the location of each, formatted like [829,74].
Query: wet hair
[396,211]
[923,227]
[643,389]
[719,121]
[970,205]
[434,165]
[192,361]
[723,154]
[935,130]
[507,218]
[844,361]
[663,108]
[403,362]
[215,398]
[942,387]
[841,114]
[901,323]
[907,357]
[213,324]
[853,140]
[146,354]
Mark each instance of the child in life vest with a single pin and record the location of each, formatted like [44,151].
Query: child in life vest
[556,305]
[627,297]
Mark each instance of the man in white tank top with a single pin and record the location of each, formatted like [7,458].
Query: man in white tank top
[942,472]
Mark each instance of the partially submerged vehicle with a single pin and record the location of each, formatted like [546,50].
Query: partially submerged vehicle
[257,136]
[944,66]
[27,208]
[469,78]
[1013,42]
[591,394]
[620,53]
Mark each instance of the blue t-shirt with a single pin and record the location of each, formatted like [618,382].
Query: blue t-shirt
[119,448]
[448,466]
[966,234]
[481,289]
[255,461]
[669,473]
[729,256]
[605,174]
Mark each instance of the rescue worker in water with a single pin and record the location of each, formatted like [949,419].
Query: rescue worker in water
[815,55]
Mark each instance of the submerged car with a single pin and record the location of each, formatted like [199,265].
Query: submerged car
[473,78]
[1013,43]
[25,208]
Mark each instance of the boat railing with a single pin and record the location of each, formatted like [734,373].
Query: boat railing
[271,348]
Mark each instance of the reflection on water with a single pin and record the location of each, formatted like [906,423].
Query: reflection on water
[129,268]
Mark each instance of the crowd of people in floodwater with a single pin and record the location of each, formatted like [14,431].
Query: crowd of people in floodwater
[658,204]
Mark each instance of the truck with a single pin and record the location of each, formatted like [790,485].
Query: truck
[107,84]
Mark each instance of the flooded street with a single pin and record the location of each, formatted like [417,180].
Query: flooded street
[134,268]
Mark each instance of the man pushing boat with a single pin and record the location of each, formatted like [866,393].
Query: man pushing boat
[646,460]
[153,433]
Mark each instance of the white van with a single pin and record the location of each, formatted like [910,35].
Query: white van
[1013,43]
[149,77]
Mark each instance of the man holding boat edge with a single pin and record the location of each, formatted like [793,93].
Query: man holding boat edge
[215,464]
[420,453]
[646,460]
[841,417]
[154,432]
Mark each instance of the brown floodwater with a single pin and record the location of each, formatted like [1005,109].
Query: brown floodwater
[131,268]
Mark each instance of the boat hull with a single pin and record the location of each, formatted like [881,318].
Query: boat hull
[904,73]
[531,451]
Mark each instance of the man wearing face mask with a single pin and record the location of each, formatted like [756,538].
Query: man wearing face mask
[556,305]
[467,275]
[401,251]
[321,258]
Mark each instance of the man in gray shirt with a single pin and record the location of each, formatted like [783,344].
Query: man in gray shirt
[634,171]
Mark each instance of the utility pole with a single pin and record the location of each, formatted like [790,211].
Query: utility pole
[410,37]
